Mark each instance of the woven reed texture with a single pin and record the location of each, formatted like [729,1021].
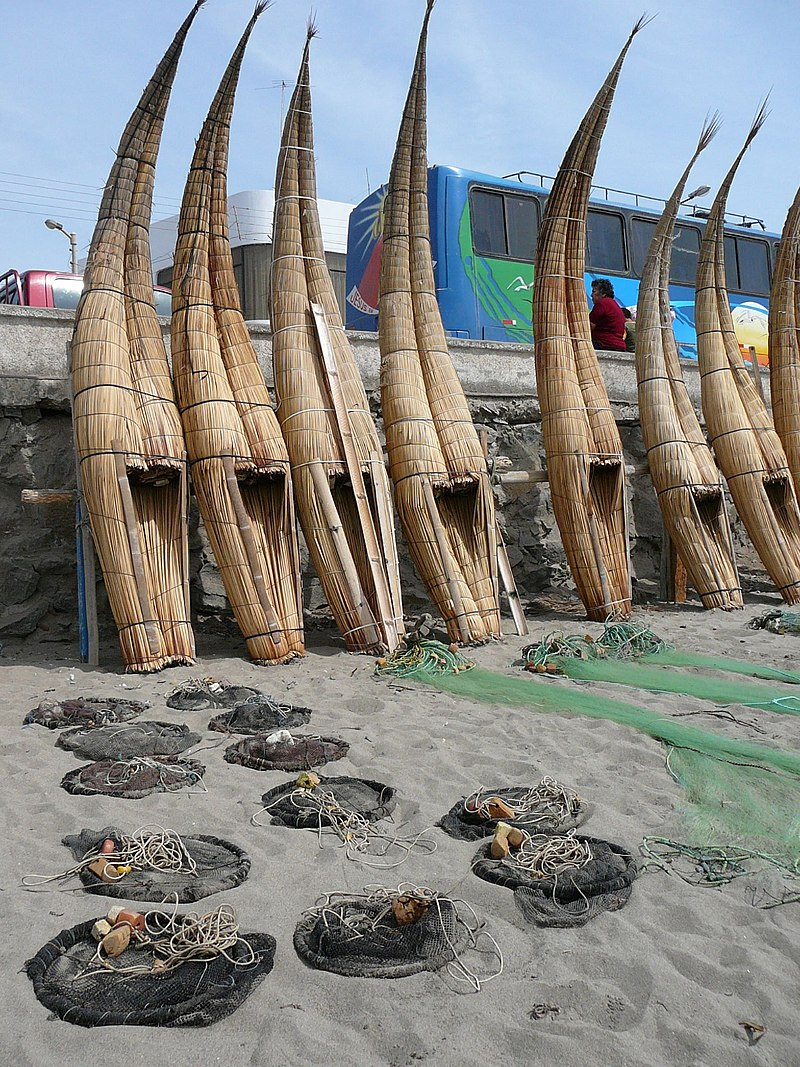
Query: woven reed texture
[784,341]
[240,468]
[341,486]
[128,436]
[584,452]
[442,490]
[745,443]
[687,483]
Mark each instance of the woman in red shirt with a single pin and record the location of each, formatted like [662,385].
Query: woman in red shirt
[606,319]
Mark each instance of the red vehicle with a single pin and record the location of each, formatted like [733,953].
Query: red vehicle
[54,289]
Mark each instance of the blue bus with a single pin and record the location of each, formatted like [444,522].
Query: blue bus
[484,231]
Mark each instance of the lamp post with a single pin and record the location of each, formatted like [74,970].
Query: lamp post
[701,190]
[51,224]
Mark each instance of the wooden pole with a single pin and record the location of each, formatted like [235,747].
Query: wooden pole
[388,611]
[328,505]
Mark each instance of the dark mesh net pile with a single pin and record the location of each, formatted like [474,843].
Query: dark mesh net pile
[134,778]
[571,897]
[195,994]
[84,711]
[543,812]
[359,936]
[290,805]
[123,740]
[219,865]
[259,715]
[203,694]
[303,753]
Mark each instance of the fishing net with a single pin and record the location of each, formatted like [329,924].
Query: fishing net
[326,802]
[154,864]
[777,621]
[736,791]
[392,934]
[84,711]
[547,808]
[629,640]
[258,715]
[134,778]
[123,740]
[203,694]
[299,753]
[661,679]
[184,970]
[561,881]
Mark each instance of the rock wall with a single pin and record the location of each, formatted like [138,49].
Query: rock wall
[37,543]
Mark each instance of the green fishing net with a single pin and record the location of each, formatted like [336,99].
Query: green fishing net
[777,621]
[659,679]
[735,791]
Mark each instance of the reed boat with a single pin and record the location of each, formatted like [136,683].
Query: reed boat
[442,490]
[747,448]
[239,464]
[341,486]
[129,442]
[784,341]
[585,464]
[688,485]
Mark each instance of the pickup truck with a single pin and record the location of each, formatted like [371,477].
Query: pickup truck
[53,289]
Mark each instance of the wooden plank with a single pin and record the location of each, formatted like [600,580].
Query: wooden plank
[388,611]
[383,502]
[503,564]
[49,497]
[328,505]
[250,549]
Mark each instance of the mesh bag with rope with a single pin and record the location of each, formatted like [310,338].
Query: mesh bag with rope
[176,970]
[313,804]
[299,752]
[203,694]
[257,715]
[557,880]
[547,808]
[123,740]
[134,778]
[384,933]
[84,711]
[152,863]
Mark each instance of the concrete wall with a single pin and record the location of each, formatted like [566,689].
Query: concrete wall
[37,582]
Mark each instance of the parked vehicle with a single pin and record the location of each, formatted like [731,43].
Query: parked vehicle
[54,289]
[483,235]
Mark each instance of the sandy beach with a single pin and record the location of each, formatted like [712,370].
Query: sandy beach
[669,979]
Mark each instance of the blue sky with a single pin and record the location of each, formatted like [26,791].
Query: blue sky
[508,82]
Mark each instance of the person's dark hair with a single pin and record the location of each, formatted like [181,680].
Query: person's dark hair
[627,313]
[603,286]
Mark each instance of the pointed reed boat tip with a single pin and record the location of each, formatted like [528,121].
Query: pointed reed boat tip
[710,129]
[643,20]
[260,8]
[311,26]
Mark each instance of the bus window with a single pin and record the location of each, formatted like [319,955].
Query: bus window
[488,225]
[504,226]
[642,231]
[67,292]
[685,251]
[606,245]
[753,260]
[522,225]
[731,266]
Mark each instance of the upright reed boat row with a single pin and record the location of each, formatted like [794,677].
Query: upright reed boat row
[320,449]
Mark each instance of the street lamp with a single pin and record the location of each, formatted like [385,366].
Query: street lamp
[701,190]
[51,224]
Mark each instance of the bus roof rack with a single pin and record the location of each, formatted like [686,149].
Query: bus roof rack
[545,181]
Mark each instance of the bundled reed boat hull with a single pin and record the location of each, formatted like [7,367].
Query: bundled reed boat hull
[340,482]
[784,341]
[240,469]
[687,483]
[442,491]
[585,464]
[744,440]
[128,436]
